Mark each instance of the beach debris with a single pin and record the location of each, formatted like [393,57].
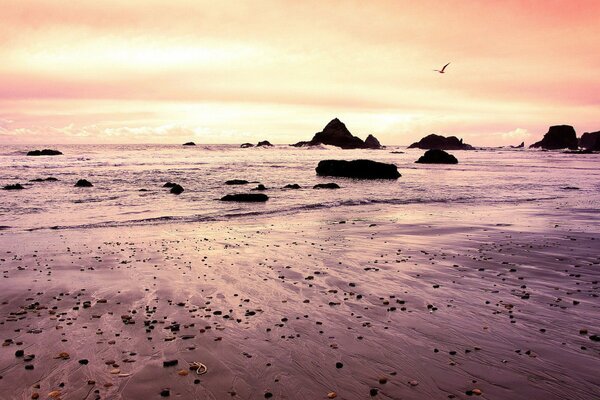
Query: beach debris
[200,368]
[331,395]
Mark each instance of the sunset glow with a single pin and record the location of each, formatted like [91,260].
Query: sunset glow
[229,72]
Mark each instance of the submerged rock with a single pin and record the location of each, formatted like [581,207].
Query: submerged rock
[236,182]
[246,145]
[519,146]
[436,156]
[292,186]
[372,143]
[260,187]
[264,143]
[590,141]
[246,197]
[83,183]
[359,169]
[558,137]
[189,144]
[326,186]
[335,133]
[49,179]
[176,189]
[16,186]
[45,152]
[440,142]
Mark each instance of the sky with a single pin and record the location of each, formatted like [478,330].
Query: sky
[148,71]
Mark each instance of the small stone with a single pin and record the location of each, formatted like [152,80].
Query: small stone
[476,392]
[55,394]
[19,353]
[165,393]
[331,395]
[170,363]
[373,392]
[83,361]
[339,365]
[268,395]
[413,383]
[35,395]
[182,372]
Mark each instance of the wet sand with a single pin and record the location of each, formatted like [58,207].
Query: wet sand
[364,302]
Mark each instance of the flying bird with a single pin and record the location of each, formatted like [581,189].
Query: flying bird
[441,71]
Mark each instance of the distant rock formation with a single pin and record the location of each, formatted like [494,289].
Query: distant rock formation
[259,187]
[558,137]
[176,189]
[236,182]
[189,144]
[372,143]
[303,143]
[83,183]
[16,186]
[49,179]
[45,152]
[264,143]
[292,186]
[359,169]
[440,142]
[246,145]
[326,186]
[246,197]
[590,141]
[519,146]
[437,156]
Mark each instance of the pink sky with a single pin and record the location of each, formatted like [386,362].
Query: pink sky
[237,71]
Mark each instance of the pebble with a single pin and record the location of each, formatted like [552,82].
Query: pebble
[331,395]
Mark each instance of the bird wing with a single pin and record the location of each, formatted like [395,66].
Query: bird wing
[445,66]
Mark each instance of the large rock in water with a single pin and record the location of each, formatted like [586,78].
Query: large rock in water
[45,152]
[335,133]
[359,169]
[590,141]
[264,143]
[437,156]
[246,197]
[440,142]
[558,137]
[83,183]
[372,143]
[189,144]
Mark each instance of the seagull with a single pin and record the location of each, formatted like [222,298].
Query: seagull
[441,71]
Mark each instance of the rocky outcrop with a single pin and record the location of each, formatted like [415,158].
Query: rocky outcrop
[176,189]
[371,142]
[292,186]
[259,187]
[264,143]
[246,197]
[45,152]
[326,186]
[519,146]
[358,169]
[16,186]
[590,141]
[303,143]
[558,137]
[246,145]
[440,142]
[437,156]
[189,144]
[83,183]
[49,179]
[236,182]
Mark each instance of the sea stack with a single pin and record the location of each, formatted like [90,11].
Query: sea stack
[358,169]
[558,137]
[437,156]
[440,142]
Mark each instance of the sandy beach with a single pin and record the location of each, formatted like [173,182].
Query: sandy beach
[384,302]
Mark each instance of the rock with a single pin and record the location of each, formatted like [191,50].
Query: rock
[359,169]
[169,184]
[558,137]
[260,187]
[16,186]
[189,144]
[176,189]
[83,183]
[371,142]
[264,143]
[246,145]
[237,182]
[165,393]
[335,133]
[519,146]
[19,353]
[302,143]
[440,142]
[45,152]
[590,141]
[326,186]
[246,197]
[292,186]
[170,363]
[49,179]
[436,156]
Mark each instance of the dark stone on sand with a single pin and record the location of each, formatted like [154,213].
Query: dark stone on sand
[371,142]
[292,186]
[189,144]
[436,156]
[176,189]
[590,141]
[373,392]
[260,187]
[236,182]
[16,186]
[264,143]
[335,133]
[558,137]
[45,152]
[595,338]
[246,145]
[83,361]
[170,363]
[326,186]
[19,353]
[83,183]
[339,365]
[440,142]
[246,197]
[359,169]
[268,395]
[49,179]
[165,393]
[29,366]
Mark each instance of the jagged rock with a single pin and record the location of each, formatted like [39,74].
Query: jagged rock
[326,186]
[292,186]
[440,142]
[558,137]
[359,169]
[176,189]
[335,133]
[246,197]
[189,144]
[236,182]
[83,183]
[45,152]
[246,145]
[437,156]
[264,143]
[16,186]
[590,140]
[372,143]
[519,146]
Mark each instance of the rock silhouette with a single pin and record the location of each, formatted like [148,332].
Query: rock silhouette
[359,169]
[264,143]
[558,137]
[371,142]
[440,142]
[590,141]
[236,182]
[176,189]
[45,152]
[246,197]
[335,133]
[49,179]
[330,185]
[519,146]
[292,186]
[246,145]
[16,186]
[437,156]
[83,183]
[189,144]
